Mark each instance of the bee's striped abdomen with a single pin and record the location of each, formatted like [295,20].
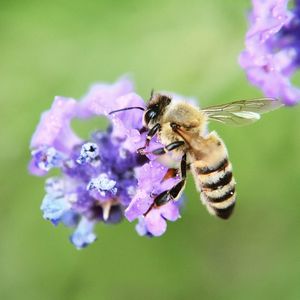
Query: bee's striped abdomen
[218,189]
[213,174]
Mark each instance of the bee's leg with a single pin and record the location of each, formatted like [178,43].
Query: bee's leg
[150,135]
[171,173]
[183,166]
[168,148]
[174,192]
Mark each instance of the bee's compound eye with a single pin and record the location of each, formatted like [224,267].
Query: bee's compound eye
[149,115]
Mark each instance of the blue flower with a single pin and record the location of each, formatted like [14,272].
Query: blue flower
[83,235]
[54,208]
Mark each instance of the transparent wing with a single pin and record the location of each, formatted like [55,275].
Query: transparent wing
[241,112]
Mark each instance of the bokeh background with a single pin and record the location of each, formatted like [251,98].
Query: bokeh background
[189,47]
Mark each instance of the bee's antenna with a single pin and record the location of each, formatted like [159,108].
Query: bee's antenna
[126,108]
[151,94]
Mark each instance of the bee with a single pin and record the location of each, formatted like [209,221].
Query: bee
[182,128]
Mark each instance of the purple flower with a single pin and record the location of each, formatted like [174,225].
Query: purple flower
[151,183]
[272,53]
[154,223]
[104,178]
[97,180]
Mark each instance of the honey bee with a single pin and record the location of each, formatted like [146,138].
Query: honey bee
[182,127]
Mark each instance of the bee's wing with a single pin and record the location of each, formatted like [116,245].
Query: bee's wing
[241,112]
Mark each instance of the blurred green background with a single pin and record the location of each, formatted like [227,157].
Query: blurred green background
[189,47]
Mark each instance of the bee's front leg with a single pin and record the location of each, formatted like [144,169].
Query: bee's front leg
[150,135]
[168,148]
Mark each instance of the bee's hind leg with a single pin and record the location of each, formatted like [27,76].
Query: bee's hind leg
[171,173]
[175,191]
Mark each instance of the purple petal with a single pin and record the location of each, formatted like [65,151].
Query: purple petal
[154,223]
[272,53]
[101,99]
[45,158]
[170,211]
[130,118]
[141,227]
[138,205]
[54,128]
[34,170]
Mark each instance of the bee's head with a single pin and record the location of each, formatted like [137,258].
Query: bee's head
[155,109]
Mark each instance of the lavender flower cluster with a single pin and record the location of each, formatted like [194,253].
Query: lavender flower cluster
[104,178]
[272,54]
